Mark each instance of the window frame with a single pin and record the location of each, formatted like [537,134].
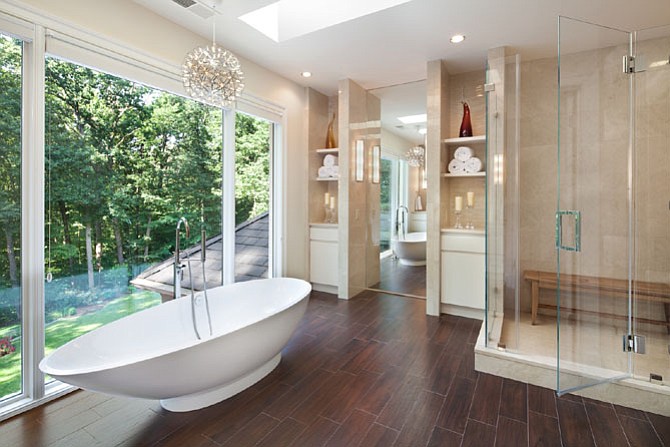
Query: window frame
[44,36]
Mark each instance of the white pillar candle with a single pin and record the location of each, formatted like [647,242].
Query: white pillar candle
[458,203]
[471,199]
[326,199]
[332,202]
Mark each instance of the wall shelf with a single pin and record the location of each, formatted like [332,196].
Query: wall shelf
[334,150]
[474,174]
[465,140]
[462,231]
[327,179]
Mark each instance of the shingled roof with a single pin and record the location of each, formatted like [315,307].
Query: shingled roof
[251,261]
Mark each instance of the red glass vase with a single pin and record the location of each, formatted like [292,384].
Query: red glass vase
[466,124]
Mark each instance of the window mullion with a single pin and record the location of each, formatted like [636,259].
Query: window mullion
[228,197]
[32,210]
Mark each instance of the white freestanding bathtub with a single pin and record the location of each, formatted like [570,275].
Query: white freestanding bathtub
[411,250]
[154,354]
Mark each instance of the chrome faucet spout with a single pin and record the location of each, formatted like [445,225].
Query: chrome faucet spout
[402,215]
[177,257]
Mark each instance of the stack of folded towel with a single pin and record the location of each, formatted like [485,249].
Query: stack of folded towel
[464,161]
[329,168]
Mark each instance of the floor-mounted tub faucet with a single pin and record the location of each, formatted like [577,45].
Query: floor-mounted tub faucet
[402,213]
[178,268]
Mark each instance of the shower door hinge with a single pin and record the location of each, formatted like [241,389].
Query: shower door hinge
[629,64]
[634,64]
[634,343]
[490,87]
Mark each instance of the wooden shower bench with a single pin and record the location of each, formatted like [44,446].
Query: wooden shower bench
[648,291]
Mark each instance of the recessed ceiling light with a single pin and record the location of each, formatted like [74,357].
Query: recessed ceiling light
[306,74]
[423,131]
[413,119]
[457,38]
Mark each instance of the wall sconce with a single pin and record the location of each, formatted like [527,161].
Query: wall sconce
[360,159]
[375,164]
[498,169]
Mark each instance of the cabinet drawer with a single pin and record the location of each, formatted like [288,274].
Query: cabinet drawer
[323,234]
[469,243]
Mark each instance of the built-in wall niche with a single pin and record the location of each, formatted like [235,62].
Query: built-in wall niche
[470,187]
[323,161]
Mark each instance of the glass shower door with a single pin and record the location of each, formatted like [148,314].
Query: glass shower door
[593,216]
[651,291]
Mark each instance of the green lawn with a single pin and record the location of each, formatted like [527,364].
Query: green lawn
[65,329]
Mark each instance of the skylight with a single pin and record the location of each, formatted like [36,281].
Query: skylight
[286,19]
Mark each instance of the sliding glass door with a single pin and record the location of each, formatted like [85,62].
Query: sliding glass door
[11,315]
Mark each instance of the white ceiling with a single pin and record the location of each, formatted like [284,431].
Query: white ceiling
[392,47]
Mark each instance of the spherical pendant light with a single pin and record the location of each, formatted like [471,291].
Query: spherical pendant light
[213,75]
[415,156]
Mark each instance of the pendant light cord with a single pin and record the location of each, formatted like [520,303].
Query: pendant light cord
[214,27]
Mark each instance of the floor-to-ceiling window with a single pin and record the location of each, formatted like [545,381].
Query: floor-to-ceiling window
[389,202]
[123,163]
[11,331]
[253,142]
[111,168]
[393,194]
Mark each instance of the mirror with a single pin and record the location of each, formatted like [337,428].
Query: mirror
[402,228]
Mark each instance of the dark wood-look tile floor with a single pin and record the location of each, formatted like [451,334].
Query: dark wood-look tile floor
[372,371]
[404,279]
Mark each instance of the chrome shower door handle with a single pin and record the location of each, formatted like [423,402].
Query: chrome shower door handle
[575,222]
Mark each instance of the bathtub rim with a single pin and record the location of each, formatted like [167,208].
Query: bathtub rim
[412,241]
[174,348]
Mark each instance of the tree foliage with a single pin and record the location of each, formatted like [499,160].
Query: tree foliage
[123,163]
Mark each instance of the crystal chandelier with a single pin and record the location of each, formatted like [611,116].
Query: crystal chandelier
[415,156]
[212,74]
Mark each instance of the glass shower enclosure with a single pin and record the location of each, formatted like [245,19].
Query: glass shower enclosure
[578,221]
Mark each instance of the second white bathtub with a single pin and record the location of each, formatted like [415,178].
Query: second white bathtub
[411,250]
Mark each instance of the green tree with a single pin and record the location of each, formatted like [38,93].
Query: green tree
[93,118]
[10,150]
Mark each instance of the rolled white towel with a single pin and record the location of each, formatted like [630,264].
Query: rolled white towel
[456,166]
[335,171]
[324,172]
[463,153]
[473,165]
[330,160]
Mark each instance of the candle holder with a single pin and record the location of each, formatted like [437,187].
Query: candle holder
[329,216]
[469,225]
[458,224]
[333,215]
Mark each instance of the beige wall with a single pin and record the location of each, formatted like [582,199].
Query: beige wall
[127,23]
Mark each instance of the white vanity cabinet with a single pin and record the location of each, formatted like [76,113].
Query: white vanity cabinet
[463,265]
[323,257]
